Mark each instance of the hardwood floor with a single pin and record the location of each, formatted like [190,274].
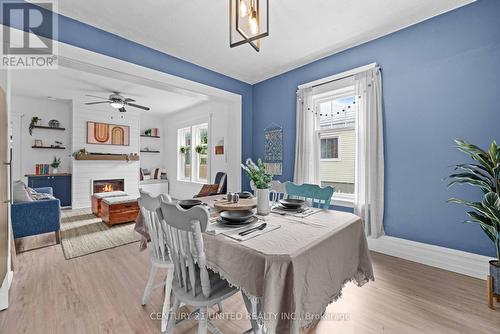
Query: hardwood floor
[101,293]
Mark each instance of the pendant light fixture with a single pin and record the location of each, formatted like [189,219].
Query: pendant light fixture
[248,22]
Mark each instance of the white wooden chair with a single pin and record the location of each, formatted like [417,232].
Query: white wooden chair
[193,283]
[159,256]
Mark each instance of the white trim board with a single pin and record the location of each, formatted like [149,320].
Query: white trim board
[4,290]
[457,261]
[338,76]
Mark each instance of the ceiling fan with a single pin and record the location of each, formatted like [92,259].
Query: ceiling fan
[117,101]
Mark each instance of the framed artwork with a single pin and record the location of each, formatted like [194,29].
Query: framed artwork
[273,158]
[108,134]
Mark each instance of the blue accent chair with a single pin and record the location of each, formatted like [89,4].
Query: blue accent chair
[37,217]
[310,192]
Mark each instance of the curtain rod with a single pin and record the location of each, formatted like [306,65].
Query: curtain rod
[338,76]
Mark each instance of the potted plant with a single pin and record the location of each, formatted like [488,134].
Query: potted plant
[262,181]
[484,173]
[55,164]
[33,123]
[201,149]
[184,149]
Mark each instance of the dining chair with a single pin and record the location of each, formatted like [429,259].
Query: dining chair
[277,191]
[159,255]
[312,193]
[193,283]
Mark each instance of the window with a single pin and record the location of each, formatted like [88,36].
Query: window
[330,148]
[336,127]
[193,160]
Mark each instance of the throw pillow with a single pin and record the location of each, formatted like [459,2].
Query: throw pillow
[20,193]
[208,189]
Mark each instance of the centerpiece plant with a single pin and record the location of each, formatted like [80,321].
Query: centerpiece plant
[262,182]
[483,173]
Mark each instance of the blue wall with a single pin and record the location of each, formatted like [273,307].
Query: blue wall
[441,81]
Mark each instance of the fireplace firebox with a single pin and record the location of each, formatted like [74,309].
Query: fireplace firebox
[101,186]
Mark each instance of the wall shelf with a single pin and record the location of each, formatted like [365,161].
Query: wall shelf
[150,136]
[47,127]
[144,151]
[104,156]
[50,147]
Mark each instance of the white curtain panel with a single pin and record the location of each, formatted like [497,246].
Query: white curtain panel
[306,140]
[369,203]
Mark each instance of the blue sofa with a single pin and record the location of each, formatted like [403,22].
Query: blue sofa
[37,217]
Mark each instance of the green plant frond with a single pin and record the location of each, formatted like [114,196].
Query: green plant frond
[473,176]
[483,185]
[493,151]
[480,218]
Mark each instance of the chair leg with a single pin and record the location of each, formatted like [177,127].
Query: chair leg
[149,284]
[58,236]
[203,320]
[166,302]
[172,318]
[219,304]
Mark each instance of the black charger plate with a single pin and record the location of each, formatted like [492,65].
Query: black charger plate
[250,220]
[236,216]
[189,203]
[292,203]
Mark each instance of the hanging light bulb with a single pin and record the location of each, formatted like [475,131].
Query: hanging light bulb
[243,8]
[254,25]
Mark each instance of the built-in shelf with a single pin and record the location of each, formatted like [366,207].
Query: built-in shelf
[103,156]
[150,136]
[145,151]
[47,127]
[50,174]
[50,147]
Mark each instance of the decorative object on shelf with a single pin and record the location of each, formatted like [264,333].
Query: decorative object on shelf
[483,173]
[248,22]
[273,158]
[201,149]
[57,144]
[108,134]
[184,149]
[54,123]
[84,155]
[38,143]
[262,181]
[55,165]
[42,169]
[219,147]
[79,152]
[34,122]
[147,132]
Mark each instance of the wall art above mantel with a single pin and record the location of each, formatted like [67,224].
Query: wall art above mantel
[108,134]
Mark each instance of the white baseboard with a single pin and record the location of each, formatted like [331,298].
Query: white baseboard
[4,290]
[445,258]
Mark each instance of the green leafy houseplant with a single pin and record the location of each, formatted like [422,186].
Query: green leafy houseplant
[485,174]
[201,149]
[33,123]
[257,173]
[184,149]
[56,162]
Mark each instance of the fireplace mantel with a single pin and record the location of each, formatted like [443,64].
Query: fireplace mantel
[115,157]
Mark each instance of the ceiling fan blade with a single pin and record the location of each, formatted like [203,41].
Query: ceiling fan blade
[137,106]
[128,100]
[97,102]
[99,97]
[122,109]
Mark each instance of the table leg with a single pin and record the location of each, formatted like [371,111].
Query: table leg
[253,309]
[489,287]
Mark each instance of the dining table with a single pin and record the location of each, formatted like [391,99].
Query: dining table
[289,274]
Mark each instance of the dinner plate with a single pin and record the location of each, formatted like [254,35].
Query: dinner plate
[237,215]
[189,203]
[292,203]
[250,220]
[284,208]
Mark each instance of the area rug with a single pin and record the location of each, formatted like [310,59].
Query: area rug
[83,233]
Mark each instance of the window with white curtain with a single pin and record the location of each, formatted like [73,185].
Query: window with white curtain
[193,157]
[335,111]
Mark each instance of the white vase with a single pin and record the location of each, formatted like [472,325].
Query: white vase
[263,201]
[55,170]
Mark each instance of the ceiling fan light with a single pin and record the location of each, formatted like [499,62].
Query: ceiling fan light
[116,104]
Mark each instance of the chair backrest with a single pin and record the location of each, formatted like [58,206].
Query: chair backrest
[277,190]
[310,192]
[151,216]
[221,177]
[183,230]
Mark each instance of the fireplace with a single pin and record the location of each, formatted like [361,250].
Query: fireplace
[101,186]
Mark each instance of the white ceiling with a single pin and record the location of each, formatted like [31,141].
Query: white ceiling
[69,84]
[300,31]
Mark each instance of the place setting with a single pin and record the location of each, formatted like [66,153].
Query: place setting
[293,207]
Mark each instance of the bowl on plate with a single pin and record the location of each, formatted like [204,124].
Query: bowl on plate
[245,194]
[189,203]
[236,216]
[292,203]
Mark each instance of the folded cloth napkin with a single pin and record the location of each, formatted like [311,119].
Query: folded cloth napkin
[236,234]
[306,213]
